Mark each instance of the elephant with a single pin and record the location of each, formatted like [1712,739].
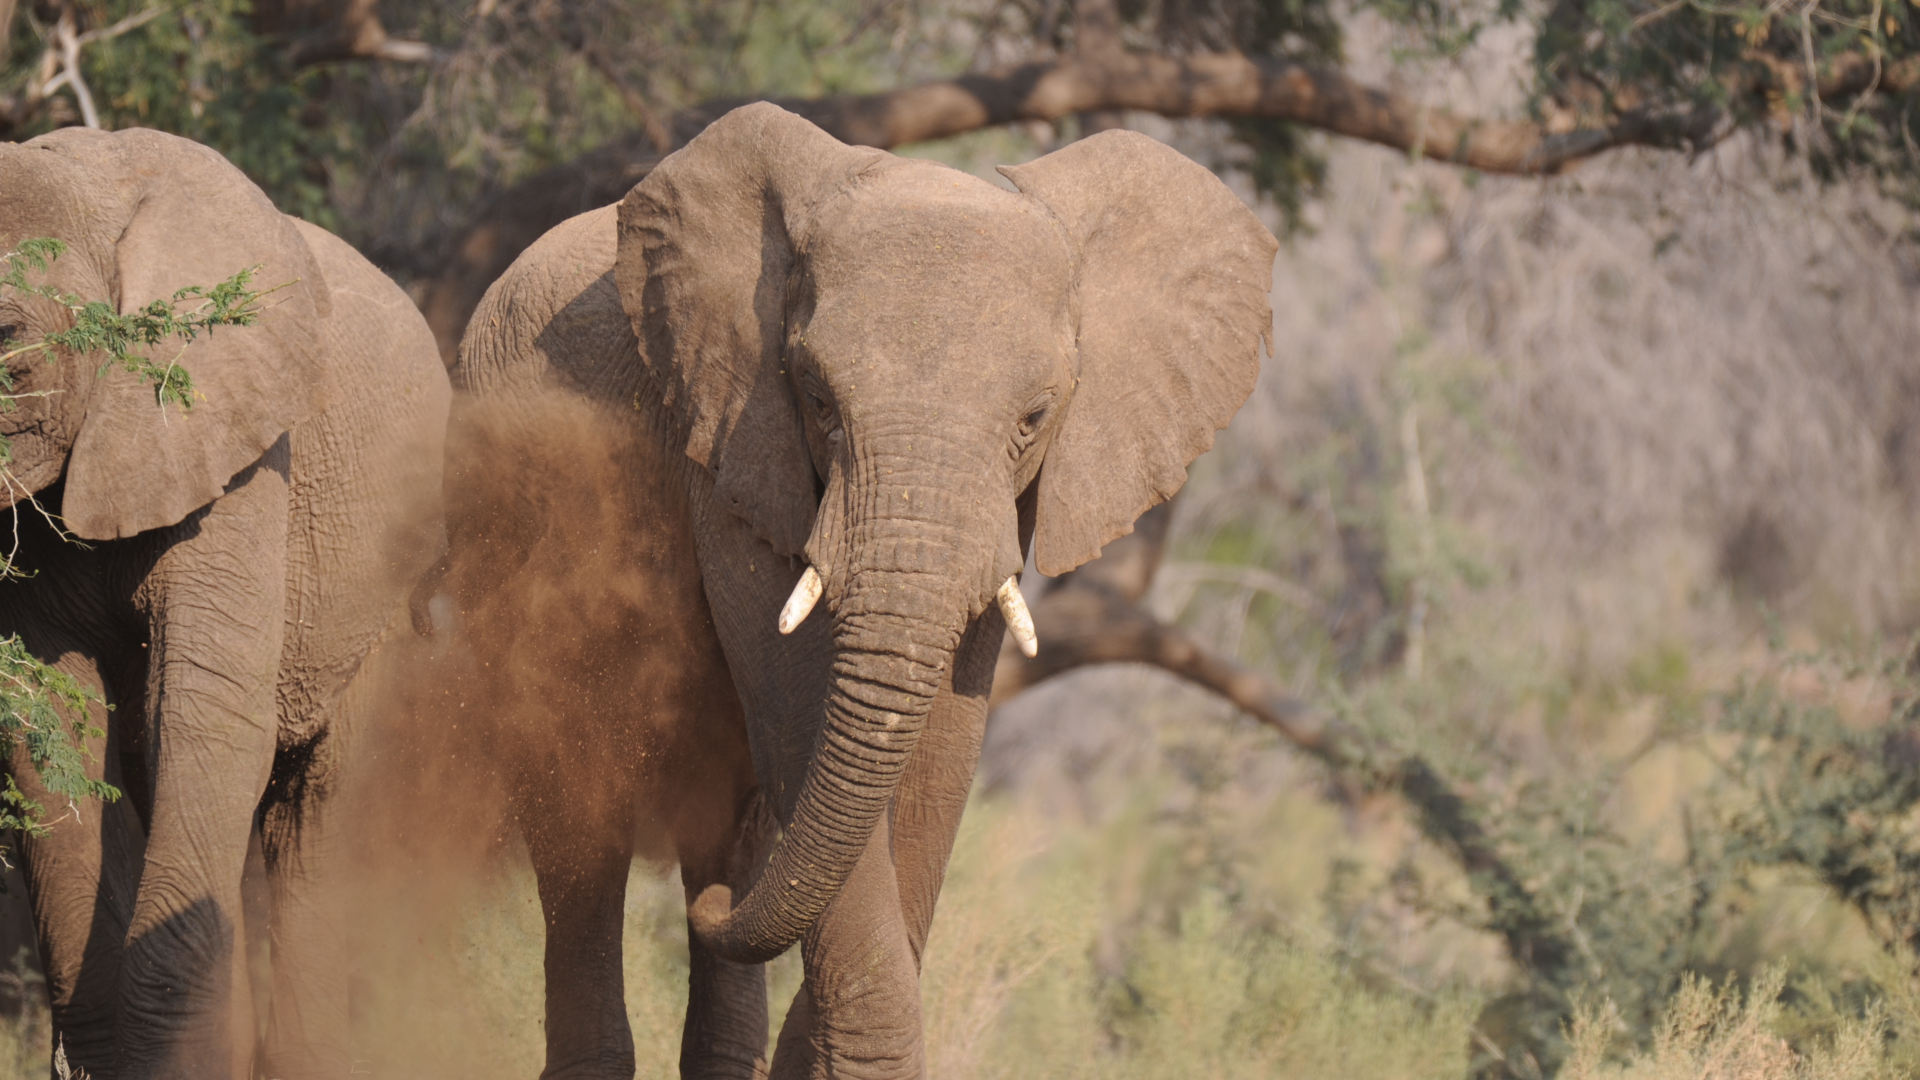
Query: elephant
[835,396]
[222,576]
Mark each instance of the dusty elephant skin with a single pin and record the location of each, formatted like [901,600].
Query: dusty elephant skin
[824,361]
[243,559]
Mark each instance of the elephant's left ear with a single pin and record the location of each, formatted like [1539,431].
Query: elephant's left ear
[187,217]
[1174,275]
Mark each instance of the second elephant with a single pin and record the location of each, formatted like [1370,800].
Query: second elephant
[245,559]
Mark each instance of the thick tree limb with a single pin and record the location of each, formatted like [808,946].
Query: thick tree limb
[1223,84]
[1084,624]
[1220,84]
[1229,84]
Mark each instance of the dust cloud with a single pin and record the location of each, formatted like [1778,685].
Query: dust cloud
[545,703]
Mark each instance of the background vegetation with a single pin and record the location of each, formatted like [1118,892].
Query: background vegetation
[1525,682]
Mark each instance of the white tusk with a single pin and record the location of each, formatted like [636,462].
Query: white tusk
[800,604]
[1019,619]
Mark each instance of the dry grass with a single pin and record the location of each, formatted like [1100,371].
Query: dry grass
[1718,1032]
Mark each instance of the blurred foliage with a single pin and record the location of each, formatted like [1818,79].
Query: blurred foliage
[398,156]
[1753,65]
[1619,835]
[1608,875]
[197,70]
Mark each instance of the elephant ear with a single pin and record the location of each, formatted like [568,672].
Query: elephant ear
[1174,273]
[707,244]
[190,218]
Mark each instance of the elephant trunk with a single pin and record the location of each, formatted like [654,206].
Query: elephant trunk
[888,663]
[900,614]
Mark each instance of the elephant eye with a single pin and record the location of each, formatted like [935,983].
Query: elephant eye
[7,334]
[1035,415]
[817,401]
[1026,431]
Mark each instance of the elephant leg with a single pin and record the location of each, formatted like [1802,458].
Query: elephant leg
[581,868]
[81,877]
[933,791]
[725,1037]
[215,603]
[860,1017]
[305,849]
[185,1009]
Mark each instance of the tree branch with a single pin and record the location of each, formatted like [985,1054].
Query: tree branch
[59,66]
[1231,84]
[333,31]
[1220,84]
[1089,623]
[124,26]
[68,43]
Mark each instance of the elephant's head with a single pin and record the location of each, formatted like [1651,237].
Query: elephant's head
[900,373]
[143,215]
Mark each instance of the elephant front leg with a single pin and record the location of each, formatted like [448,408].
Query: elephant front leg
[933,791]
[215,604]
[581,868]
[81,878]
[184,1007]
[857,1015]
[725,1037]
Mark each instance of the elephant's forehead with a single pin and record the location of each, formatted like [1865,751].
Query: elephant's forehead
[935,260]
[43,195]
[926,222]
[35,194]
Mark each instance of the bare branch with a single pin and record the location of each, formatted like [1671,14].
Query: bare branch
[1413,656]
[124,26]
[1231,84]
[334,31]
[59,67]
[68,43]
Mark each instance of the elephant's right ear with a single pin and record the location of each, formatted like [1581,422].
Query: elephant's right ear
[707,244]
[188,217]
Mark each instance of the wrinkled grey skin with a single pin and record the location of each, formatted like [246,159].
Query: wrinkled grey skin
[242,561]
[902,376]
